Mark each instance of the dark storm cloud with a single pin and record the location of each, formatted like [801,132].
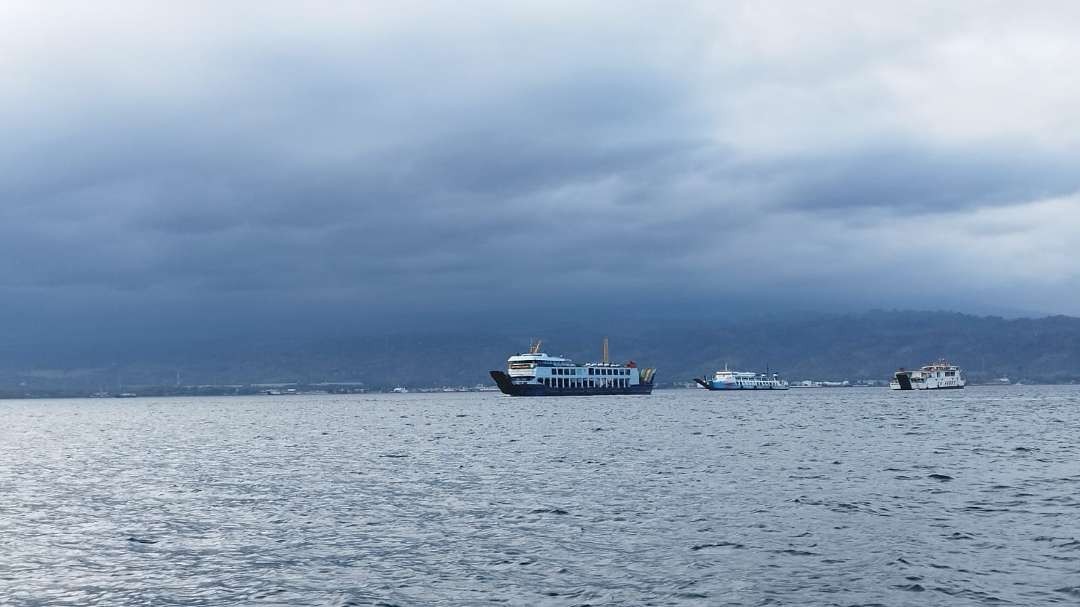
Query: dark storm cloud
[402,156]
[922,179]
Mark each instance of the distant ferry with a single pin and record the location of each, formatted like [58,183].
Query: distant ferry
[742,380]
[935,376]
[821,384]
[537,374]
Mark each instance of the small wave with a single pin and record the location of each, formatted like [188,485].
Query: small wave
[985,509]
[977,595]
[697,547]
[794,552]
[141,540]
[940,477]
[550,511]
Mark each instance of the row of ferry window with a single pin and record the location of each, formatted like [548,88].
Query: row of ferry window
[559,382]
[592,371]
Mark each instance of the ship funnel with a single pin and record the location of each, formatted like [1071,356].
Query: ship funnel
[605,351]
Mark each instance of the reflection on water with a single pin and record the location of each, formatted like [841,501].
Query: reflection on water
[830,497]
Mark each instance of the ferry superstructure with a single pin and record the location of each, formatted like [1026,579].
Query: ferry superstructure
[940,375]
[535,373]
[742,380]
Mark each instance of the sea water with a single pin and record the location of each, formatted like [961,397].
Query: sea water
[685,497]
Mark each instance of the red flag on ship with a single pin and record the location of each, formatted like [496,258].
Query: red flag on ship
[632,365]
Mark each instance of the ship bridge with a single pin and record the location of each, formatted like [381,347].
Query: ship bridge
[538,359]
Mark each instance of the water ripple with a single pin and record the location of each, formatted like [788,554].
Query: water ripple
[825,497]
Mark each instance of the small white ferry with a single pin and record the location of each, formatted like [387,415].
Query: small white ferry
[742,380]
[936,376]
[537,374]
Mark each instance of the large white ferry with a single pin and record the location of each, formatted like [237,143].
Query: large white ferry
[537,374]
[742,380]
[935,376]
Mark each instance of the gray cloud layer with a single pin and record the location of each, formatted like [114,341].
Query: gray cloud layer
[395,156]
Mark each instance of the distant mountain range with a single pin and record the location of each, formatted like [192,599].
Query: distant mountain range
[806,346]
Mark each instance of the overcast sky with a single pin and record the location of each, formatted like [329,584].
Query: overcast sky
[307,163]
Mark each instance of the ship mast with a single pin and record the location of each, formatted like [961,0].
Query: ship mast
[605,351]
[535,348]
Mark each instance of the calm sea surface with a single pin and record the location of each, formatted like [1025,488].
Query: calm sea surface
[807,497]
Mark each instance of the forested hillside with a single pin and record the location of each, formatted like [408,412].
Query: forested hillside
[810,346]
